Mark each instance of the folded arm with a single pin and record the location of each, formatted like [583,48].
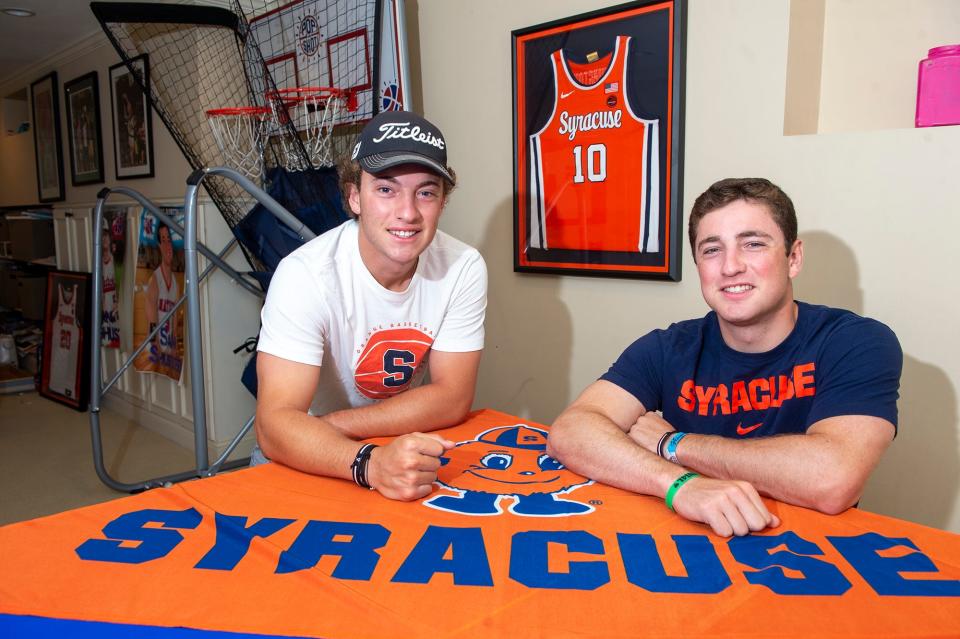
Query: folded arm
[592,438]
[326,445]
[825,469]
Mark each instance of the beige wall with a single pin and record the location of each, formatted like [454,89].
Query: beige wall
[870,65]
[18,174]
[18,171]
[877,210]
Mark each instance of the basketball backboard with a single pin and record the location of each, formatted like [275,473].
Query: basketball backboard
[330,43]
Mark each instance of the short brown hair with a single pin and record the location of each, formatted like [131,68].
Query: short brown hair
[758,190]
[350,171]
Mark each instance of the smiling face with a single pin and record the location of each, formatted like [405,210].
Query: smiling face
[107,243]
[166,245]
[398,212]
[746,274]
[491,468]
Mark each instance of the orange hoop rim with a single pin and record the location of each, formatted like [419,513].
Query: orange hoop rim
[299,94]
[245,110]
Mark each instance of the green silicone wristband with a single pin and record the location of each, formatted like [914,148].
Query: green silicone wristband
[675,486]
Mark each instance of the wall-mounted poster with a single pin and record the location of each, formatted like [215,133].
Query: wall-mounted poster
[65,371]
[83,126]
[598,120]
[113,238]
[132,126]
[159,285]
[46,138]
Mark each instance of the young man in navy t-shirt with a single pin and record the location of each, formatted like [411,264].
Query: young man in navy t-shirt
[763,395]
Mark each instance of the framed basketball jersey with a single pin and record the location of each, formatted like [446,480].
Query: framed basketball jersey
[65,364]
[598,106]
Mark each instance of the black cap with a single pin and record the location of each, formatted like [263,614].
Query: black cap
[401,137]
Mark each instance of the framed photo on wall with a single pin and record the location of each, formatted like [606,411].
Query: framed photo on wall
[598,142]
[84,129]
[132,126]
[65,371]
[46,138]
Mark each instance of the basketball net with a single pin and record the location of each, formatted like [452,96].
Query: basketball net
[313,112]
[239,134]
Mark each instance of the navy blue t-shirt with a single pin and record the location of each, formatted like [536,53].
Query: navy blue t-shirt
[834,362]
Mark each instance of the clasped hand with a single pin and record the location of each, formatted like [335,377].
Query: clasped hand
[648,429]
[729,507]
[406,468]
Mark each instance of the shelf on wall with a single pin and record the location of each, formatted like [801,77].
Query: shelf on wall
[852,64]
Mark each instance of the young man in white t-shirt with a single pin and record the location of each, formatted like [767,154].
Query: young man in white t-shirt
[355,318]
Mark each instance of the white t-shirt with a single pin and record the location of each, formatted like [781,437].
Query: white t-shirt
[324,308]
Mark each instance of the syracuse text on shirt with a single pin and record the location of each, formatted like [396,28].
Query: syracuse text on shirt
[741,396]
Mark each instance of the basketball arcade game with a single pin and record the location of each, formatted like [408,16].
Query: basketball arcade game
[216,92]
[265,65]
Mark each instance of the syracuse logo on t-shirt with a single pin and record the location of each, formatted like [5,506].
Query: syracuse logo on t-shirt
[507,463]
[390,360]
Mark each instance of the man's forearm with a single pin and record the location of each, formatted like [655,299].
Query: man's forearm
[807,470]
[602,436]
[422,409]
[305,442]
[593,446]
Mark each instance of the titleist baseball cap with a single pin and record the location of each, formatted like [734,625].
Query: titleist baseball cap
[401,137]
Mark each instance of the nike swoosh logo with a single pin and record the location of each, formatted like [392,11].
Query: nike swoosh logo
[749,429]
[566,95]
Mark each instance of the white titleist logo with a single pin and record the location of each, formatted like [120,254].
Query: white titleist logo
[403,130]
[571,124]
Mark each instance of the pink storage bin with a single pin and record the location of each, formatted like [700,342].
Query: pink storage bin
[938,87]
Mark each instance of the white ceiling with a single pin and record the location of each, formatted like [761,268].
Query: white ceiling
[57,25]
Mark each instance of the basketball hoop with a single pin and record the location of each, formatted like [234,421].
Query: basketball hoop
[310,113]
[239,134]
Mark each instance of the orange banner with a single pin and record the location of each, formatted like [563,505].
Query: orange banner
[510,544]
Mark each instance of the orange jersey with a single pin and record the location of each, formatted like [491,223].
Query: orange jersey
[595,177]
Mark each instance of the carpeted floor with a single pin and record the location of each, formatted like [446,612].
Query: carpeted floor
[46,458]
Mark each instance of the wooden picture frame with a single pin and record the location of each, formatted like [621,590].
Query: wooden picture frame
[132,118]
[85,131]
[45,105]
[598,142]
[65,369]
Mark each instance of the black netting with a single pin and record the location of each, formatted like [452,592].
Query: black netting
[201,58]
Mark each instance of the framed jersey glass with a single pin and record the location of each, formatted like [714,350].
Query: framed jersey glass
[65,367]
[598,140]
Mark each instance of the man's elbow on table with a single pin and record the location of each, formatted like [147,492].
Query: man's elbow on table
[853,447]
[836,492]
[561,444]
[460,407]
[265,428]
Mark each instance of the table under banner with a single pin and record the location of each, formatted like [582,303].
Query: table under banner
[510,544]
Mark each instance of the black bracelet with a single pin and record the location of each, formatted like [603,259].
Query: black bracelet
[359,465]
[663,438]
